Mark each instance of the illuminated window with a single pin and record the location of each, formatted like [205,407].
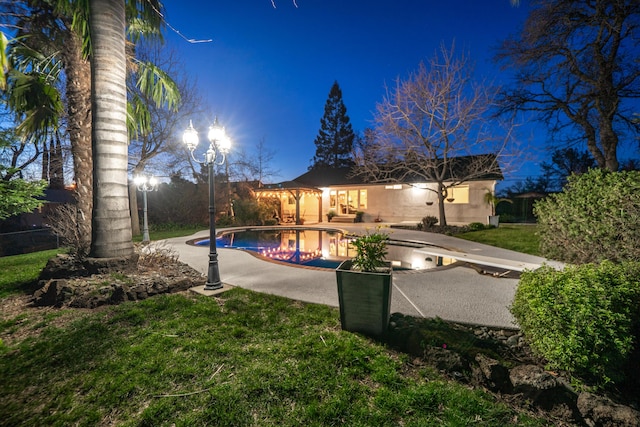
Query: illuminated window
[347,202]
[393,187]
[342,202]
[363,200]
[458,195]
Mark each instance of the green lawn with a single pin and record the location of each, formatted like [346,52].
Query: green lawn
[171,232]
[20,271]
[517,237]
[240,359]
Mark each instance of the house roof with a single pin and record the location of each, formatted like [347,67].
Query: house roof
[287,185]
[329,176]
[459,167]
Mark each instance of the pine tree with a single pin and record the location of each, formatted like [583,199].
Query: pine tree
[334,143]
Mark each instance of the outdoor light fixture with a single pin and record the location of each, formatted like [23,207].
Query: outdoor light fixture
[219,145]
[145,184]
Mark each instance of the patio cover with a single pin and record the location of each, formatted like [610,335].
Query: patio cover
[293,188]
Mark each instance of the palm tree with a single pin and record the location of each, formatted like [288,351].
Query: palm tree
[68,23]
[111,226]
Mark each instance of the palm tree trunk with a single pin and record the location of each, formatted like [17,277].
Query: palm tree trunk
[78,87]
[111,222]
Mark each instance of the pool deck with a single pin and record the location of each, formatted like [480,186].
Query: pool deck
[456,293]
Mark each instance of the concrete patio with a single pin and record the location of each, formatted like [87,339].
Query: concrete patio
[455,293]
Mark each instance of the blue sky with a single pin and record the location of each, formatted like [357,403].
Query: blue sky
[267,72]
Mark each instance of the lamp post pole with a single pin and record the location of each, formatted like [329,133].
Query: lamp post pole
[145,184]
[219,144]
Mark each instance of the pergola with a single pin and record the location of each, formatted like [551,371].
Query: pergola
[283,190]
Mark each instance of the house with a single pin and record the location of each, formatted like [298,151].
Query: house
[313,195]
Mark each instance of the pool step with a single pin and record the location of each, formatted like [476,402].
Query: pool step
[344,219]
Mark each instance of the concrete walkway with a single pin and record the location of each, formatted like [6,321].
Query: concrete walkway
[457,293]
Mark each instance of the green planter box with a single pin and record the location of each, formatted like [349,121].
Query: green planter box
[365,300]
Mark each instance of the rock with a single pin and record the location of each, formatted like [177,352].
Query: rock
[63,266]
[107,289]
[49,293]
[600,411]
[545,391]
[108,265]
[531,379]
[513,340]
[444,360]
[491,374]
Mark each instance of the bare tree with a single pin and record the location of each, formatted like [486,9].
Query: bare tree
[157,147]
[436,126]
[577,65]
[257,166]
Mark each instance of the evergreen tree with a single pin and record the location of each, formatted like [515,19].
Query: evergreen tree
[334,143]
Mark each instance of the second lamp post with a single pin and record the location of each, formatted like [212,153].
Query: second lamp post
[145,184]
[219,145]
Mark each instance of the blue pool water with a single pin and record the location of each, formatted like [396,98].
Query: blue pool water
[319,248]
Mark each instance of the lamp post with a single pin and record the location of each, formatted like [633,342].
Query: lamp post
[145,184]
[219,145]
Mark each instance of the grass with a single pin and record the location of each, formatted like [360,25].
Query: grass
[20,271]
[171,232]
[516,237]
[241,359]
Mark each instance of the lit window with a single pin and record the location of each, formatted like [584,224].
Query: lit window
[363,199]
[393,187]
[458,195]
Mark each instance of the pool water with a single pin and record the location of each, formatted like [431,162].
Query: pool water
[321,248]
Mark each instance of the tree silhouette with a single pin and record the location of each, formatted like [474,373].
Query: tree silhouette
[577,70]
[334,143]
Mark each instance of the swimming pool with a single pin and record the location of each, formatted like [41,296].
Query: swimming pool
[320,248]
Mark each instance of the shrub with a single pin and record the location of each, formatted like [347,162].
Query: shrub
[507,218]
[583,319]
[252,212]
[428,222]
[63,222]
[156,254]
[476,226]
[371,250]
[596,217]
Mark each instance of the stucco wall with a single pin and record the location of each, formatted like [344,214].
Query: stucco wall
[409,204]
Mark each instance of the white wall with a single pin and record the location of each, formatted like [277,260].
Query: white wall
[409,204]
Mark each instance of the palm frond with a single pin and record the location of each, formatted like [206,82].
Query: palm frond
[154,83]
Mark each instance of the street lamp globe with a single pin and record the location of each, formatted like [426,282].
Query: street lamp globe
[190,137]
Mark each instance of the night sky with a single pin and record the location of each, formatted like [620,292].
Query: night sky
[267,71]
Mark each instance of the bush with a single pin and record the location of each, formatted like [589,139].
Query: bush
[253,212]
[507,218]
[427,222]
[371,250]
[595,218]
[583,319]
[476,226]
[63,222]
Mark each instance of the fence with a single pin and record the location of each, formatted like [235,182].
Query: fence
[24,242]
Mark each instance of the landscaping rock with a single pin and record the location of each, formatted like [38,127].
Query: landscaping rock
[545,391]
[63,266]
[107,289]
[531,380]
[599,411]
[445,360]
[491,374]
